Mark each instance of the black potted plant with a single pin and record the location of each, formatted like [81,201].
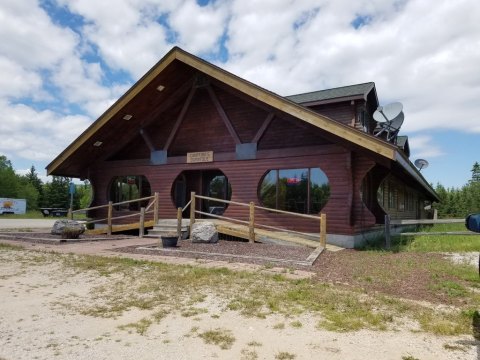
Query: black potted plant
[169,239]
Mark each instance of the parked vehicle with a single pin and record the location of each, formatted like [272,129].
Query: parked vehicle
[472,223]
[13,206]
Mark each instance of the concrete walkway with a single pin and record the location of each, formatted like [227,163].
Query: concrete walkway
[26,223]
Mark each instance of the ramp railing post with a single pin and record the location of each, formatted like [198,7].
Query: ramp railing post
[323,230]
[251,223]
[109,218]
[142,222]
[155,209]
[192,212]
[179,223]
[388,243]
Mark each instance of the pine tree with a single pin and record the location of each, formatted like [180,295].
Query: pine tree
[475,173]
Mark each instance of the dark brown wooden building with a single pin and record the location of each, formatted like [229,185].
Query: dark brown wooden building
[188,125]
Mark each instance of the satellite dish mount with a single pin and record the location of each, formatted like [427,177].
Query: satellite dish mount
[390,118]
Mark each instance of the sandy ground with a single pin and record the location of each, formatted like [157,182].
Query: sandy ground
[34,326]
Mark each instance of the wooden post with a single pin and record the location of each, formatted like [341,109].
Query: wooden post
[192,212]
[323,230]
[251,223]
[109,218]
[70,214]
[142,222]
[387,232]
[155,209]
[179,223]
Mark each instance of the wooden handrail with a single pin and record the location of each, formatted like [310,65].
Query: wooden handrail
[251,219]
[110,218]
[114,204]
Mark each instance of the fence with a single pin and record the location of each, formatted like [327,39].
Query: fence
[251,218]
[110,217]
[389,223]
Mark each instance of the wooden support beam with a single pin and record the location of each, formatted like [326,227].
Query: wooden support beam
[263,128]
[180,118]
[147,140]
[223,115]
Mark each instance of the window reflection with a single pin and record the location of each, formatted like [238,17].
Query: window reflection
[124,188]
[304,190]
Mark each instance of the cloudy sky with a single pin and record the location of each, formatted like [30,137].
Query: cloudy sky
[63,62]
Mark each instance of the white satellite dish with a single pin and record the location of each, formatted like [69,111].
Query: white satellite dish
[421,164]
[387,112]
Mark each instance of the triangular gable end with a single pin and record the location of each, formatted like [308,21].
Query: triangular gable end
[273,100]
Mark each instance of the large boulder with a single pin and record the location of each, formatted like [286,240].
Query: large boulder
[72,225]
[204,232]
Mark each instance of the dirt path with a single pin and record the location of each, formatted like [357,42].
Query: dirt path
[34,326]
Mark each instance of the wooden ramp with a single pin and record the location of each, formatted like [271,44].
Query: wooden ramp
[119,228]
[241,231]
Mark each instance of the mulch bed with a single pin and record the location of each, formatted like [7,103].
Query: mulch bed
[235,251]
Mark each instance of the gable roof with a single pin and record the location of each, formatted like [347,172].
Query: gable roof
[63,164]
[350,92]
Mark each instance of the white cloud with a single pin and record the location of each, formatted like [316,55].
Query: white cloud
[424,146]
[37,135]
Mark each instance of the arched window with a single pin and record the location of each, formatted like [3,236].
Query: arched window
[297,190]
[124,188]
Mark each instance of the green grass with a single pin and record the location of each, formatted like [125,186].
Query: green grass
[37,214]
[430,243]
[31,214]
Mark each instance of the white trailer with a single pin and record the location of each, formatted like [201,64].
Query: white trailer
[13,206]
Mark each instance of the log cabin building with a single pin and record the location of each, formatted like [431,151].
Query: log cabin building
[188,125]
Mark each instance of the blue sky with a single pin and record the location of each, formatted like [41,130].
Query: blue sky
[63,62]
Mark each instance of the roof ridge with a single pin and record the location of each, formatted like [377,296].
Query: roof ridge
[329,89]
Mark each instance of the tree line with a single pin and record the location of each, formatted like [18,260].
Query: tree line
[54,194]
[459,202]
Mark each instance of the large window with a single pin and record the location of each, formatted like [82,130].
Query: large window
[296,190]
[125,188]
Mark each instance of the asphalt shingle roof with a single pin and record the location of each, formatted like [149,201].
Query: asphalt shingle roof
[339,92]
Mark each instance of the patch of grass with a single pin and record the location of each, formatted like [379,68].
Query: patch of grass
[8,247]
[296,324]
[284,355]
[454,347]
[220,337]
[248,354]
[279,326]
[409,357]
[140,326]
[193,312]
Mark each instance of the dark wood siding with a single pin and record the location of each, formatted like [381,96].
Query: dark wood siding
[244,177]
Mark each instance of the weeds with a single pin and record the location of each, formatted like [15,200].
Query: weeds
[220,337]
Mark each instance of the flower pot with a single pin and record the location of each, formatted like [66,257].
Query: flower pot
[169,241]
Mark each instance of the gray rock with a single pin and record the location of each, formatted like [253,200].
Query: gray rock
[204,232]
[59,225]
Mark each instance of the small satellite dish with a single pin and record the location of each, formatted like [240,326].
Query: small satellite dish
[421,164]
[387,112]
